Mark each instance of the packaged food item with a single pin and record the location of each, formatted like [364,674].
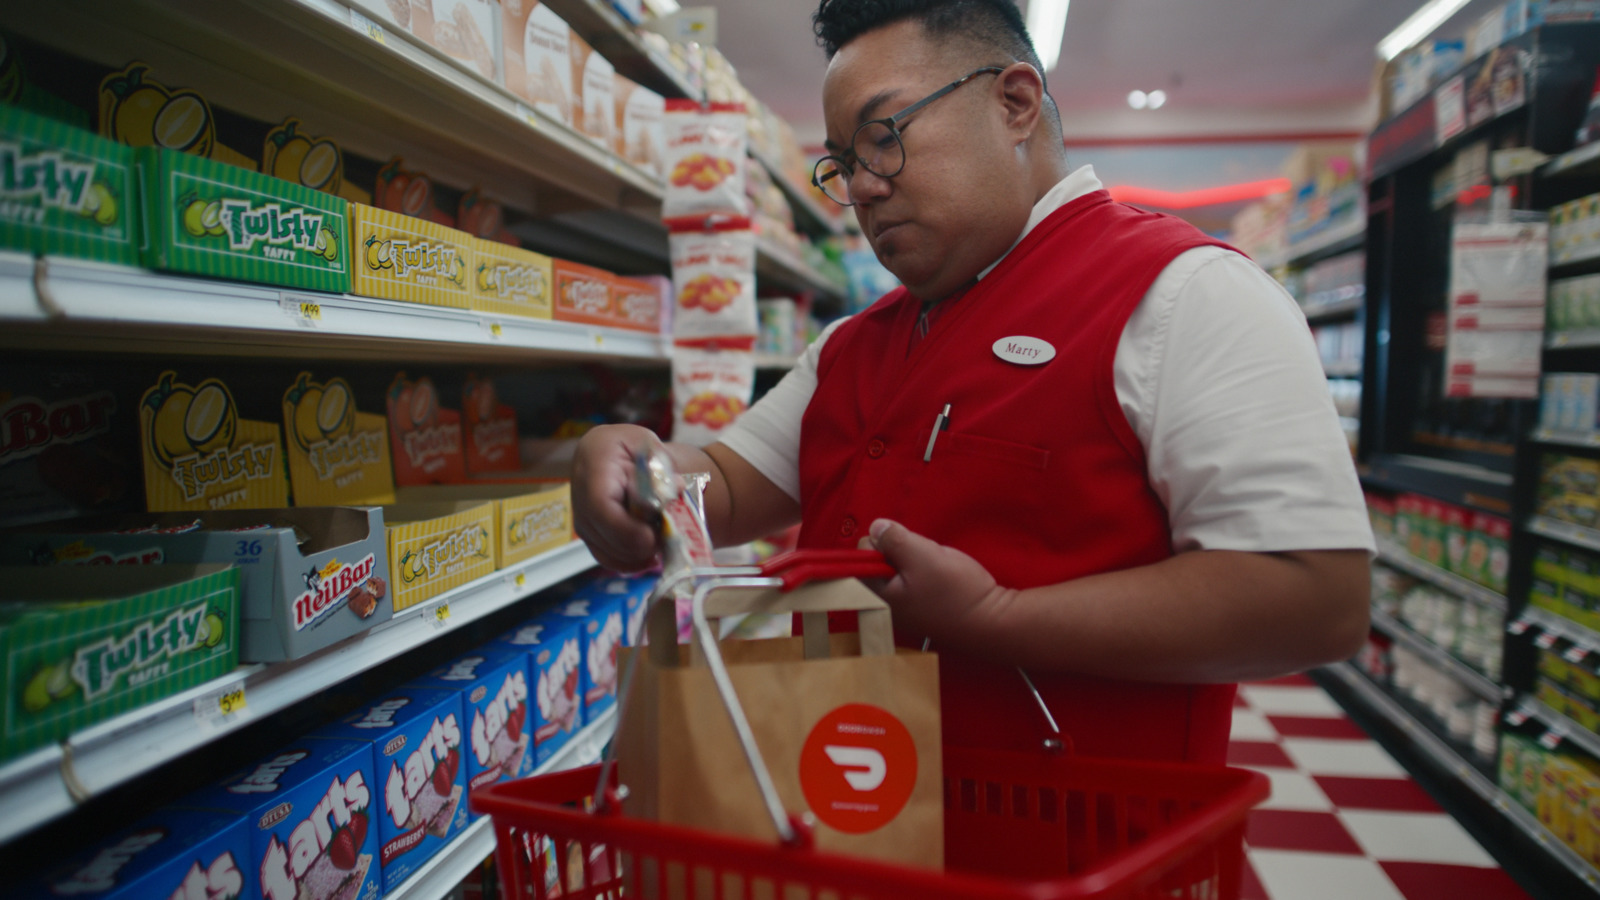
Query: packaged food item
[704,160]
[312,818]
[510,281]
[308,577]
[208,218]
[538,57]
[139,111]
[82,644]
[493,684]
[338,455]
[426,436]
[467,30]
[530,515]
[409,193]
[713,279]
[437,546]
[637,304]
[554,646]
[291,154]
[63,437]
[415,739]
[583,294]
[594,114]
[638,134]
[634,593]
[400,257]
[66,191]
[177,853]
[602,630]
[490,428]
[200,455]
[1457,527]
[1497,531]
[710,388]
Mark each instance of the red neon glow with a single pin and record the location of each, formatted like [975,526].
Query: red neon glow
[1228,193]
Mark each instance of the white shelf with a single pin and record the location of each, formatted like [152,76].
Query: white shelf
[1317,310]
[457,859]
[1346,369]
[775,361]
[1573,162]
[781,268]
[1589,253]
[1589,439]
[1587,337]
[1561,725]
[33,789]
[1443,754]
[1332,237]
[1480,683]
[1562,627]
[1398,557]
[97,306]
[616,40]
[1565,531]
[808,213]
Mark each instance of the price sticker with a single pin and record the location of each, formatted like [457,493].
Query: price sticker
[1516,717]
[522,580]
[1519,627]
[599,340]
[494,330]
[366,26]
[438,616]
[1546,640]
[527,114]
[221,707]
[1551,739]
[305,312]
[1575,654]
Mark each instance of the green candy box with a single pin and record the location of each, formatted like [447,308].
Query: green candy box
[64,190]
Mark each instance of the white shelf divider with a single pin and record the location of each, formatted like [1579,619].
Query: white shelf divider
[1460,671]
[34,788]
[1395,556]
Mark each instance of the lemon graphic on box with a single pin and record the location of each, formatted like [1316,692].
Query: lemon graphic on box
[379,253]
[50,683]
[294,156]
[100,204]
[319,413]
[141,112]
[184,420]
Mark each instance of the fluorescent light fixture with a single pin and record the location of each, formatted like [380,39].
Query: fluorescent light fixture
[662,7]
[1421,24]
[1047,23]
[1157,99]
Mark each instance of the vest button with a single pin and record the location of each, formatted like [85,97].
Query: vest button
[847,528]
[875,448]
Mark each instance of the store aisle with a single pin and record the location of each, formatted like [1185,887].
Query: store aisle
[1344,819]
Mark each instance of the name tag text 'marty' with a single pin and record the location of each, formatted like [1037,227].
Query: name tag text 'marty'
[1024,351]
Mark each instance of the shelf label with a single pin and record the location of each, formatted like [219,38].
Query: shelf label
[525,112]
[304,311]
[438,616]
[1546,640]
[494,330]
[1519,627]
[366,26]
[1551,739]
[521,580]
[1450,109]
[222,707]
[1516,717]
[1575,654]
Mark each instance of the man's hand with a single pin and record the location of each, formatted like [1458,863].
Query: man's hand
[602,481]
[938,591]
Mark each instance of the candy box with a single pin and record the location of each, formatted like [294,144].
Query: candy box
[490,429]
[537,47]
[338,455]
[309,577]
[400,257]
[637,304]
[583,294]
[510,281]
[209,218]
[426,436]
[63,445]
[634,592]
[64,190]
[200,455]
[529,518]
[601,631]
[415,738]
[436,546]
[594,113]
[493,683]
[468,31]
[310,815]
[82,644]
[554,646]
[183,854]
[638,134]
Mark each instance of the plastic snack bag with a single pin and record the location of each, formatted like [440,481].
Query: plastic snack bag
[713,279]
[710,388]
[705,159]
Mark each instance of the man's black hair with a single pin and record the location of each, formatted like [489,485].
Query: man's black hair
[996,23]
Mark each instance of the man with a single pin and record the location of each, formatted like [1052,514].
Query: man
[1096,445]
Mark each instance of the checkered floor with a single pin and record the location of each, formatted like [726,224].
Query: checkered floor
[1344,819]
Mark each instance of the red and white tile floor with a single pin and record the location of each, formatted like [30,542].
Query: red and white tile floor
[1344,819]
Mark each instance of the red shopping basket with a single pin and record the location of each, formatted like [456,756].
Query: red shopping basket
[1016,826]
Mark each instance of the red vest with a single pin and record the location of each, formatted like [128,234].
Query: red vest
[1039,476]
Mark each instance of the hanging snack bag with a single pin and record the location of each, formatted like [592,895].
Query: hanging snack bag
[705,159]
[713,279]
[710,388]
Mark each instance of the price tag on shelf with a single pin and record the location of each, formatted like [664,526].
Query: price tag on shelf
[1575,654]
[521,581]
[1552,739]
[222,706]
[1516,717]
[1519,627]
[1546,640]
[526,113]
[304,311]
[437,616]
[493,329]
[599,339]
[366,26]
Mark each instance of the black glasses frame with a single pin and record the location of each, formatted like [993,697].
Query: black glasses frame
[897,126]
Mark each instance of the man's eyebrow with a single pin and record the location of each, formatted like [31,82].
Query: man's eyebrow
[871,106]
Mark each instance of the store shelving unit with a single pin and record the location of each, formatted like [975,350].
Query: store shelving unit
[1584,160]
[1577,535]
[1396,557]
[775,361]
[50,782]
[1340,237]
[1478,682]
[615,39]
[1562,627]
[1319,310]
[808,213]
[1585,439]
[1576,340]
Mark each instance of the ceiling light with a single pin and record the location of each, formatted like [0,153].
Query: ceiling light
[1157,99]
[662,7]
[1421,24]
[1047,23]
[1138,99]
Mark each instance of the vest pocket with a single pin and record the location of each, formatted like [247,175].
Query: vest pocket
[967,444]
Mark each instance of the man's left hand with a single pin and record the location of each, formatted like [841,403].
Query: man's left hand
[939,592]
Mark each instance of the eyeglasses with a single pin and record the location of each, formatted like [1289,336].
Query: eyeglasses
[876,146]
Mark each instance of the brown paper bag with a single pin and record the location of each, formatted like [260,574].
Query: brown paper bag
[847,726]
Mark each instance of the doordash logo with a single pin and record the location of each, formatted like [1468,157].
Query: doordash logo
[858,768]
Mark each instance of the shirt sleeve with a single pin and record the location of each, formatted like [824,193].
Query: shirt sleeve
[767,436]
[1220,378]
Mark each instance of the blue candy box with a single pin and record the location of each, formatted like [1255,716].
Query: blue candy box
[183,854]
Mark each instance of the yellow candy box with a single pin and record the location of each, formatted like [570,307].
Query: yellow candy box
[510,281]
[200,455]
[400,257]
[436,546]
[338,455]
[530,516]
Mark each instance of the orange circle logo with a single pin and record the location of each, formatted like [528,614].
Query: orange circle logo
[857,768]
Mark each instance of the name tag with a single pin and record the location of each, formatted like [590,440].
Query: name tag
[1024,351]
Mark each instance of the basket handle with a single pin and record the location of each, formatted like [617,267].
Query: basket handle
[813,601]
[800,567]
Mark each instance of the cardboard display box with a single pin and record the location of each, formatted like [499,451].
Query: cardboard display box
[64,439]
[509,281]
[493,684]
[554,646]
[64,190]
[338,455]
[176,853]
[426,435]
[199,455]
[536,44]
[436,546]
[529,519]
[489,428]
[583,294]
[400,257]
[601,629]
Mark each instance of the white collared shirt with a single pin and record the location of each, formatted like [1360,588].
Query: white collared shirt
[1219,378]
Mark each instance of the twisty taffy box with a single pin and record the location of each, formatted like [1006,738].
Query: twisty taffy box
[199,454]
[436,546]
[182,854]
[490,429]
[637,304]
[601,630]
[415,737]
[82,644]
[493,684]
[509,281]
[64,190]
[583,294]
[538,57]
[338,455]
[400,257]
[210,218]
[309,809]
[530,517]
[426,436]
[555,657]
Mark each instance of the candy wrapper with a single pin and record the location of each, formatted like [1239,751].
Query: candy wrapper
[710,388]
[705,159]
[713,278]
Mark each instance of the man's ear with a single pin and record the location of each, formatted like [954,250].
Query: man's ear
[1022,92]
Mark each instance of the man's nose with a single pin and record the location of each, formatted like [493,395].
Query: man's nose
[867,187]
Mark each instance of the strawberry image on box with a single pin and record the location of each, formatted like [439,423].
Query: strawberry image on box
[601,615]
[555,660]
[183,854]
[493,684]
[414,737]
[308,810]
